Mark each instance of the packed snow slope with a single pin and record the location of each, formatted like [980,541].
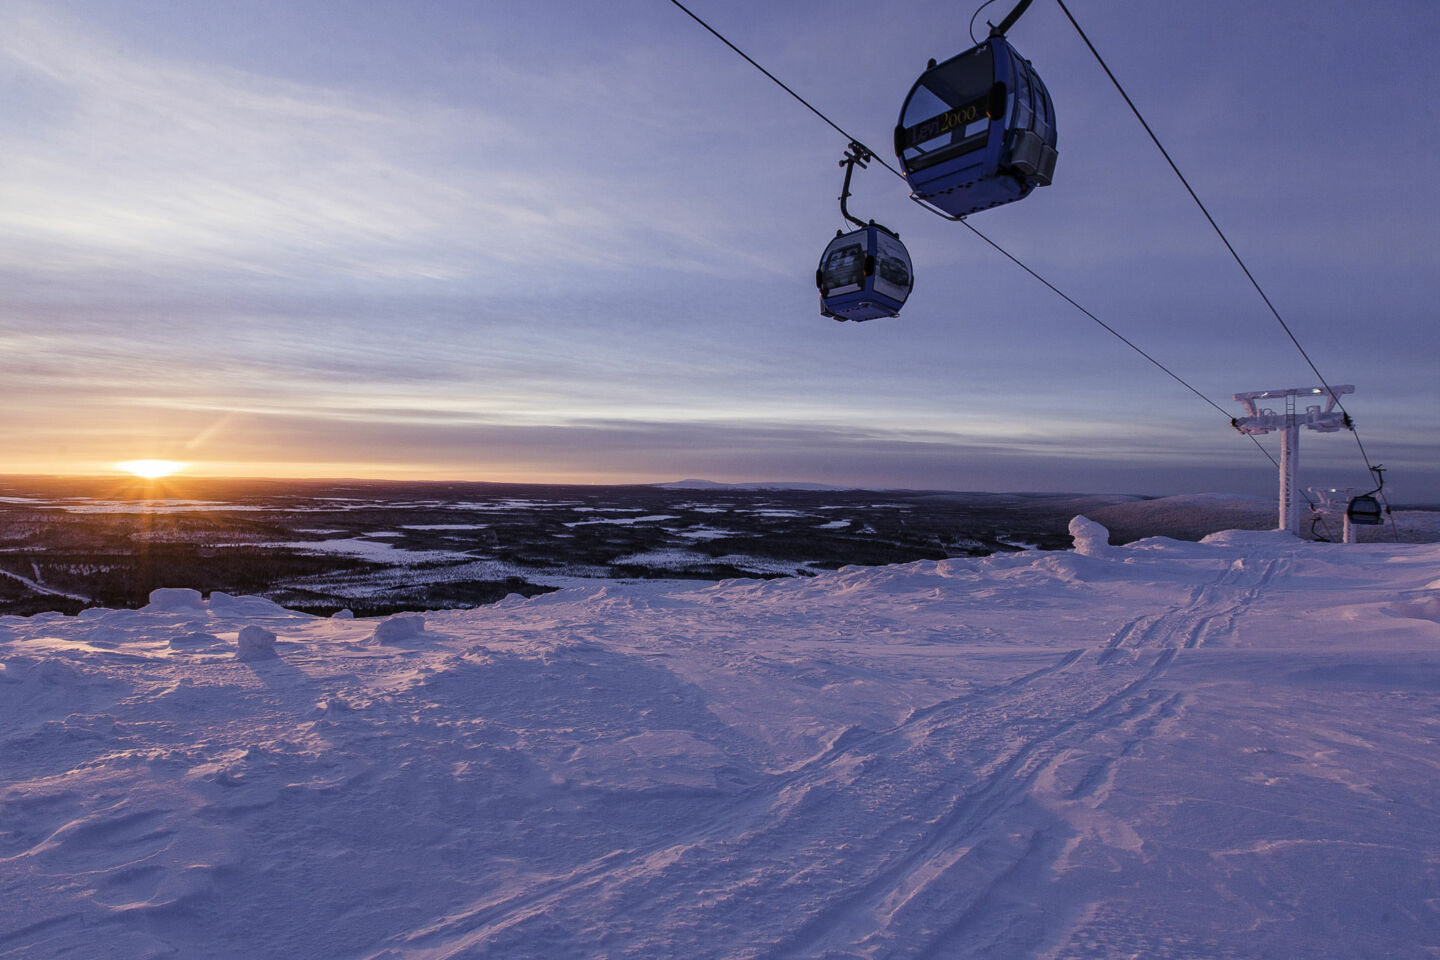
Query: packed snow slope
[1223,749]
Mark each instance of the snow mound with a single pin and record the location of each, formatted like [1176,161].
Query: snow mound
[174,600]
[402,626]
[185,600]
[1423,608]
[1091,539]
[1269,543]
[255,643]
[224,605]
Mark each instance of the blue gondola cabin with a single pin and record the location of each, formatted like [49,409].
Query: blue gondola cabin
[977,131]
[864,274]
[1364,510]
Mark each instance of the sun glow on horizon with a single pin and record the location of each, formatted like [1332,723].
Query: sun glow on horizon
[151,469]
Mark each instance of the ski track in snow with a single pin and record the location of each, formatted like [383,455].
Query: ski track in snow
[1166,750]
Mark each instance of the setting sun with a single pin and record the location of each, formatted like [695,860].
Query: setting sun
[151,469]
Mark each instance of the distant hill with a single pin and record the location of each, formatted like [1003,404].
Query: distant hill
[753,485]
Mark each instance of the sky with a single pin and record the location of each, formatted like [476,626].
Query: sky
[576,242]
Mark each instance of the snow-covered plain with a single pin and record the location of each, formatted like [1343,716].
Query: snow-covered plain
[1223,749]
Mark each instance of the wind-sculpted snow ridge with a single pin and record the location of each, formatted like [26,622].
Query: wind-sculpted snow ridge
[1164,750]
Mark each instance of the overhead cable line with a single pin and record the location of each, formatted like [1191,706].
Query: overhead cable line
[1113,332]
[778,82]
[1349,421]
[1007,254]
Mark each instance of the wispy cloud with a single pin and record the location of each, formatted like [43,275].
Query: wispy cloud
[119,162]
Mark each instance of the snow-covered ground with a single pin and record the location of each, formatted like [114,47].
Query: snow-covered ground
[1223,749]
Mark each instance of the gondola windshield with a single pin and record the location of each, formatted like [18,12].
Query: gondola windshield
[843,269]
[944,116]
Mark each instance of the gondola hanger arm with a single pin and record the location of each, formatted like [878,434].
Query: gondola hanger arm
[856,154]
[1378,472]
[999,30]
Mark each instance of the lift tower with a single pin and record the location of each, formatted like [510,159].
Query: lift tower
[1326,419]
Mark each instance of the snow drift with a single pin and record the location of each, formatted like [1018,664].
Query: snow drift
[1215,749]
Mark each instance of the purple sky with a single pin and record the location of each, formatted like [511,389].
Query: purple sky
[576,241]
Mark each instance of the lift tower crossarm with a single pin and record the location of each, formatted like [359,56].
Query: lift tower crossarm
[1325,419]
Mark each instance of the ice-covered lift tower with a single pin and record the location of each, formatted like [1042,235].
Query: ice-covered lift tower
[1258,419]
